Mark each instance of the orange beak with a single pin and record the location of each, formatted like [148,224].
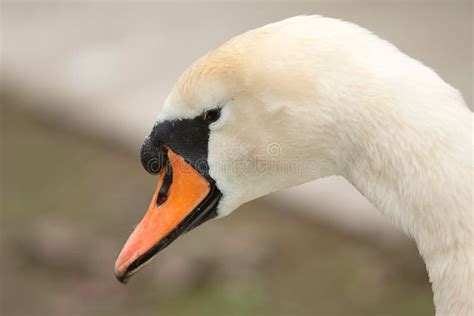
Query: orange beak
[182,200]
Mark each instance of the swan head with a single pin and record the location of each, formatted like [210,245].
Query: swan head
[259,114]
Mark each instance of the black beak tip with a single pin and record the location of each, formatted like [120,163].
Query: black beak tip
[123,278]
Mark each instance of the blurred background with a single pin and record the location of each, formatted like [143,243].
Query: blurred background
[81,84]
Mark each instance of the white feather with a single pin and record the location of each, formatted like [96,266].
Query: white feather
[338,100]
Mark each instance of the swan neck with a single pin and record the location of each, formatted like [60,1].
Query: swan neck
[421,179]
[451,273]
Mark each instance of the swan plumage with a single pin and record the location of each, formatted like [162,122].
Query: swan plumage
[335,99]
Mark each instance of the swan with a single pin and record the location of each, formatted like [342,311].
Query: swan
[306,98]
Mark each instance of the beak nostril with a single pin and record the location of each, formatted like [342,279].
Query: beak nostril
[168,178]
[160,200]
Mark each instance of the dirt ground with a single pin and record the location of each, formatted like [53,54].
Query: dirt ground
[70,201]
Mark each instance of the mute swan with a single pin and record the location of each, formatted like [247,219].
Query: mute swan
[306,98]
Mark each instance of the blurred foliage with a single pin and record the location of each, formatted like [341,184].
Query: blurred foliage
[70,201]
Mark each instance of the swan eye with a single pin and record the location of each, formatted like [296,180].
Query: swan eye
[211,116]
